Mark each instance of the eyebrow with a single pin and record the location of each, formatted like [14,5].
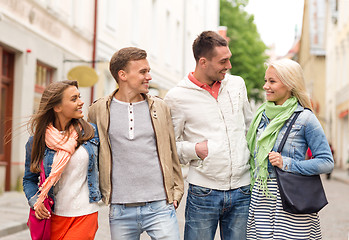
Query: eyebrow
[145,69]
[75,95]
[224,59]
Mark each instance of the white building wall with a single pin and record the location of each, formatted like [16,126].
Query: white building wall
[164,28]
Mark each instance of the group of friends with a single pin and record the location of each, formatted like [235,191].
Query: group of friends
[129,152]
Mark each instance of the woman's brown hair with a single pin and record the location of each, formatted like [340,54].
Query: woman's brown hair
[51,97]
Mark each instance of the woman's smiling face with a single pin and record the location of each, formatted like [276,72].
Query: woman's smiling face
[70,107]
[274,88]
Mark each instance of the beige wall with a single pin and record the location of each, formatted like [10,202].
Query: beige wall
[314,68]
[337,79]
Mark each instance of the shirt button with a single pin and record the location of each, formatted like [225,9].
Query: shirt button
[131,128]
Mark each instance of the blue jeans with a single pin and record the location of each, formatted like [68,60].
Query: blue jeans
[207,207]
[157,218]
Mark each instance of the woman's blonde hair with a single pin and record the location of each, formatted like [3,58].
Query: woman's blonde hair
[291,74]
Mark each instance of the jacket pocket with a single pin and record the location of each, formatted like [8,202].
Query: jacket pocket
[215,165]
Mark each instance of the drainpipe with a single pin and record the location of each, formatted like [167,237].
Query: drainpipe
[184,38]
[94,45]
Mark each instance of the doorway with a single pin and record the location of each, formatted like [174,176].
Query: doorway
[6,101]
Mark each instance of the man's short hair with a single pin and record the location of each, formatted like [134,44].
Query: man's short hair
[121,58]
[205,43]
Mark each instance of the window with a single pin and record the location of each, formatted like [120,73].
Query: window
[111,15]
[154,35]
[44,76]
[135,20]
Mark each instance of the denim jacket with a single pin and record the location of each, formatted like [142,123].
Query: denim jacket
[306,132]
[31,180]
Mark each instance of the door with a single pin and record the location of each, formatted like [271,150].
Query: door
[6,100]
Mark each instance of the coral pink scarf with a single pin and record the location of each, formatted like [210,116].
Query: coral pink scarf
[64,149]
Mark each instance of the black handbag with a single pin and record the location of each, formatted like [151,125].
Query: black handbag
[299,193]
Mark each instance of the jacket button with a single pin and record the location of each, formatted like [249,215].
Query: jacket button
[90,184]
[94,198]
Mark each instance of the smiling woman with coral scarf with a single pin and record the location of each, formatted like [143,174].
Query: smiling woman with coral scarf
[67,146]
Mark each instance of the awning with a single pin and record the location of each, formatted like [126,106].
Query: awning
[343,113]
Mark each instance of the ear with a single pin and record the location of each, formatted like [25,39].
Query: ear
[57,108]
[122,75]
[202,62]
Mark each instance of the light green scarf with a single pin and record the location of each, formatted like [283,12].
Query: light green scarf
[277,114]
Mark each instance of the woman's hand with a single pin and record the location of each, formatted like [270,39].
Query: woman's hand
[275,159]
[41,212]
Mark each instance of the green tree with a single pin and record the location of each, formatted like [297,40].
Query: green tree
[246,46]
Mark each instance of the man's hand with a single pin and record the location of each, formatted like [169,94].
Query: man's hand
[201,149]
[175,204]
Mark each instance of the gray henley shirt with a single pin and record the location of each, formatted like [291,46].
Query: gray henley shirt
[136,173]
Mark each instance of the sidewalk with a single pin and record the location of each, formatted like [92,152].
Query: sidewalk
[340,175]
[14,210]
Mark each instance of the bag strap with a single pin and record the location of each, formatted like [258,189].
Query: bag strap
[42,173]
[283,141]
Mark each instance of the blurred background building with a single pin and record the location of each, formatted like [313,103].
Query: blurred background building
[43,40]
[324,56]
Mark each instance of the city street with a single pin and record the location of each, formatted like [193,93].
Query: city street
[334,217]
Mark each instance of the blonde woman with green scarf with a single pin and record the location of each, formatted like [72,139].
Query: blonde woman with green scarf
[285,93]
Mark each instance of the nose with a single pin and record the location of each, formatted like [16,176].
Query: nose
[265,86]
[228,65]
[148,77]
[81,102]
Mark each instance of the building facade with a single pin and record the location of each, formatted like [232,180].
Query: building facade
[337,78]
[36,38]
[164,28]
[312,55]
[324,56]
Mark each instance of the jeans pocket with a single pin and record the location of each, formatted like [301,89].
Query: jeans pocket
[245,190]
[158,206]
[115,211]
[199,191]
